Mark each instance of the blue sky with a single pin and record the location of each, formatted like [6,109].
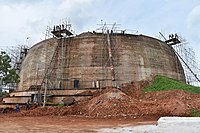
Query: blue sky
[29,18]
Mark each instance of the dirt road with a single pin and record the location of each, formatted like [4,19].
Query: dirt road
[64,124]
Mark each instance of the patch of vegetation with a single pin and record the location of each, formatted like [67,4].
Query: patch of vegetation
[165,83]
[60,105]
[8,74]
[3,94]
[195,113]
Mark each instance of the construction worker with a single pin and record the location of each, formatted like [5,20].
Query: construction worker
[27,105]
[4,110]
[170,36]
[17,108]
[176,36]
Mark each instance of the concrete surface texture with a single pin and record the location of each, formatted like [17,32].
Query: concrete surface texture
[88,59]
[165,125]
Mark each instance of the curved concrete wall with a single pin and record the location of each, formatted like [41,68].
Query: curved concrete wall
[35,64]
[86,58]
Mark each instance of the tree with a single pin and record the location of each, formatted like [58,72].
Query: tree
[7,73]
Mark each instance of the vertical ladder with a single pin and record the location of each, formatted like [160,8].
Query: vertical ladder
[110,58]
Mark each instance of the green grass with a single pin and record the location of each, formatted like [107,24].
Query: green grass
[164,83]
[195,113]
[60,105]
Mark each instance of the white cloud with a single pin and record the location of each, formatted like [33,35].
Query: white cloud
[193,27]
[77,10]
[22,19]
[193,22]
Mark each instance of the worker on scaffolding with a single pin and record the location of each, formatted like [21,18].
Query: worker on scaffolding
[176,36]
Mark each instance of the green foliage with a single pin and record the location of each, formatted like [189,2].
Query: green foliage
[7,73]
[195,113]
[3,94]
[60,105]
[165,83]
[4,63]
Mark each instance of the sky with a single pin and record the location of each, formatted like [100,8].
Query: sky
[25,21]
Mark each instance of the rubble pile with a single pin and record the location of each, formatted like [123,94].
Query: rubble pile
[112,103]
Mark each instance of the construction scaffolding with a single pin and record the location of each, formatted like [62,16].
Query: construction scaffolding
[109,33]
[20,58]
[17,54]
[189,62]
[110,50]
[187,57]
[55,72]
[57,75]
